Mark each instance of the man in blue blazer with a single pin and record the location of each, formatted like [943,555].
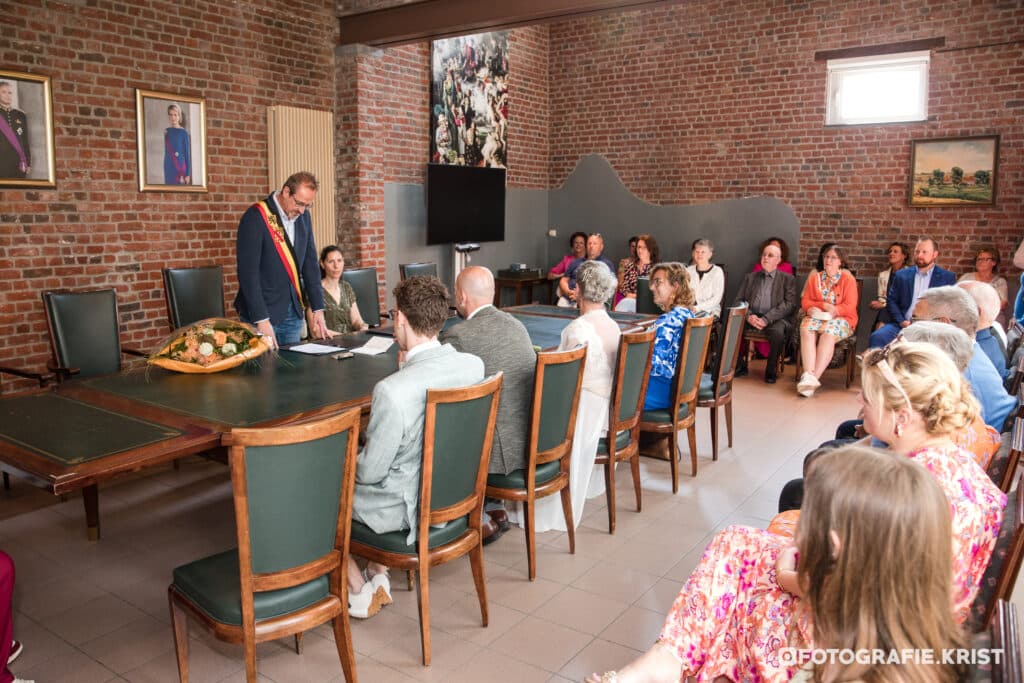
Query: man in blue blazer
[278,272]
[906,287]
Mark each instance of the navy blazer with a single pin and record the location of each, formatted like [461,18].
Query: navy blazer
[901,290]
[264,288]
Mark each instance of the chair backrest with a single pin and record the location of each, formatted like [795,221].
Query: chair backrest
[693,351]
[729,348]
[193,294]
[556,398]
[407,270]
[644,299]
[629,384]
[84,330]
[1014,384]
[364,283]
[1003,466]
[293,489]
[458,431]
[1004,565]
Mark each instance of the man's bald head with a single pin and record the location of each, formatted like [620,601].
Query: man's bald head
[473,288]
[986,297]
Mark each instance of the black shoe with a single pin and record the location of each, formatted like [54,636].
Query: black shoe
[769,379]
[741,371]
[490,532]
[500,517]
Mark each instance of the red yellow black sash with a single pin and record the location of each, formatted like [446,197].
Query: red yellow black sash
[283,249]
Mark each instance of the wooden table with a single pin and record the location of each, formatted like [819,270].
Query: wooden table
[519,284]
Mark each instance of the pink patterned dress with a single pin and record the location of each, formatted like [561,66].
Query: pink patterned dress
[732,618]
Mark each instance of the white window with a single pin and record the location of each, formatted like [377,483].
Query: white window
[883,89]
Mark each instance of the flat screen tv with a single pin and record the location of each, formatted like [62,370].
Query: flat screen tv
[465,204]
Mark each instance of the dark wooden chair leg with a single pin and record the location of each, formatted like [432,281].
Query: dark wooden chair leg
[7,482]
[91,501]
[409,578]
[570,526]
[343,642]
[423,599]
[476,562]
[531,562]
[179,627]
[634,465]
[714,432]
[298,643]
[609,488]
[728,421]
[691,435]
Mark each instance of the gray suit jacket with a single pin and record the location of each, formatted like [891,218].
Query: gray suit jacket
[388,469]
[784,300]
[504,345]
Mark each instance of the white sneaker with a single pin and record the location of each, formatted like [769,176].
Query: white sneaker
[382,584]
[807,384]
[367,602]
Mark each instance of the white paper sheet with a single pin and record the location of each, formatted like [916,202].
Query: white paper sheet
[314,349]
[375,346]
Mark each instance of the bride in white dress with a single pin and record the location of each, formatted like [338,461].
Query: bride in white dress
[601,335]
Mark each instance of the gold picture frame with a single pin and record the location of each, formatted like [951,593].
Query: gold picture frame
[171,142]
[26,131]
[954,171]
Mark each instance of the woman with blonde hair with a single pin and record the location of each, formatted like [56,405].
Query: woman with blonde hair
[670,287]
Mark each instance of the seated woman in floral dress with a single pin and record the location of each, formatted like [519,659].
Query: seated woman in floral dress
[830,304]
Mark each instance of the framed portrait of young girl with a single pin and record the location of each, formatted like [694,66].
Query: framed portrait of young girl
[172,142]
[26,131]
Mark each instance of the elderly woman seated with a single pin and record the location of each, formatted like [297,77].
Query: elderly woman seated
[830,304]
[706,279]
[670,287]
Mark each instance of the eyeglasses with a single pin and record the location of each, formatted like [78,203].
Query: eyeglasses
[984,258]
[939,318]
[301,205]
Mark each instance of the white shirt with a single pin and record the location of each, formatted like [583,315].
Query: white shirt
[414,351]
[288,223]
[922,278]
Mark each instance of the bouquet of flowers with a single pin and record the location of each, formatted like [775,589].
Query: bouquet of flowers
[210,345]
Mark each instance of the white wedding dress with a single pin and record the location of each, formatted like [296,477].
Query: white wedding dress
[601,336]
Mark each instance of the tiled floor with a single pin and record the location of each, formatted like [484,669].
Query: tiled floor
[94,612]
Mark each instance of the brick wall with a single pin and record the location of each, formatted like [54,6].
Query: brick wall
[96,229]
[709,100]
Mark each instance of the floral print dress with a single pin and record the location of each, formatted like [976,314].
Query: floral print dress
[837,327]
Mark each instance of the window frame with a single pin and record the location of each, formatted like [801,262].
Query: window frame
[836,69]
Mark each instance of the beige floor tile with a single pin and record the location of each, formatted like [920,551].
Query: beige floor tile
[93,619]
[616,583]
[597,657]
[581,610]
[542,643]
[661,596]
[462,619]
[635,628]
[495,667]
[41,601]
[132,645]
[75,667]
[519,593]
[319,661]
[209,661]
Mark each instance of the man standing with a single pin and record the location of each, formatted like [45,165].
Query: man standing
[772,297]
[278,273]
[906,287]
[504,345]
[388,469]
[567,285]
[15,155]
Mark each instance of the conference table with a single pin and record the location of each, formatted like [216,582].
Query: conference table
[75,435]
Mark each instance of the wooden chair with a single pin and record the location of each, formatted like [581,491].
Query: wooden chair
[407,270]
[1013,385]
[1003,467]
[292,488]
[1002,636]
[84,333]
[364,283]
[847,346]
[717,391]
[193,294]
[693,349]
[556,397]
[999,578]
[629,386]
[751,335]
[458,430]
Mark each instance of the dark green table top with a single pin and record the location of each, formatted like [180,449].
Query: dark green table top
[271,388]
[559,312]
[546,331]
[41,423]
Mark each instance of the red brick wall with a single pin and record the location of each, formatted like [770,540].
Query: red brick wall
[96,229]
[706,100]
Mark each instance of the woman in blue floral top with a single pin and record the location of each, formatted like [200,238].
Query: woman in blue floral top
[670,287]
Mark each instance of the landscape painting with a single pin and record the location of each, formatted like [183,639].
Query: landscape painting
[954,171]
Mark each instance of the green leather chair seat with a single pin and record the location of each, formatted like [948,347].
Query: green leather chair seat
[213,585]
[706,391]
[394,541]
[663,414]
[621,441]
[517,479]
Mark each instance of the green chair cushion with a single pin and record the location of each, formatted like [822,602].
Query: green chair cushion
[663,414]
[213,585]
[517,478]
[706,391]
[621,441]
[394,541]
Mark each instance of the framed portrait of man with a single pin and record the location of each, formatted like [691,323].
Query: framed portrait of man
[26,131]
[172,142]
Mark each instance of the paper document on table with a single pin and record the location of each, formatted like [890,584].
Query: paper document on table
[314,349]
[374,346]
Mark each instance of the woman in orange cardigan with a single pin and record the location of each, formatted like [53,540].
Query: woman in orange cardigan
[830,304]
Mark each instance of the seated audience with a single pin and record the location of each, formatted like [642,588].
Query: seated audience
[388,470]
[706,279]
[986,265]
[600,334]
[987,300]
[504,345]
[629,259]
[771,294]
[906,286]
[647,253]
[10,649]
[764,348]
[830,303]
[898,254]
[753,593]
[340,310]
[577,249]
[670,287]
[567,285]
[954,306]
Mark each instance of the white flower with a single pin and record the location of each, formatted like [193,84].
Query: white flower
[205,349]
[207,330]
[229,349]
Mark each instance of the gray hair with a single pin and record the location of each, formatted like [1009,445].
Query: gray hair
[985,296]
[951,340]
[953,303]
[702,242]
[596,282]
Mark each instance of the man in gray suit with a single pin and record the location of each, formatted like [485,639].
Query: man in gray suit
[504,345]
[388,468]
[772,297]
